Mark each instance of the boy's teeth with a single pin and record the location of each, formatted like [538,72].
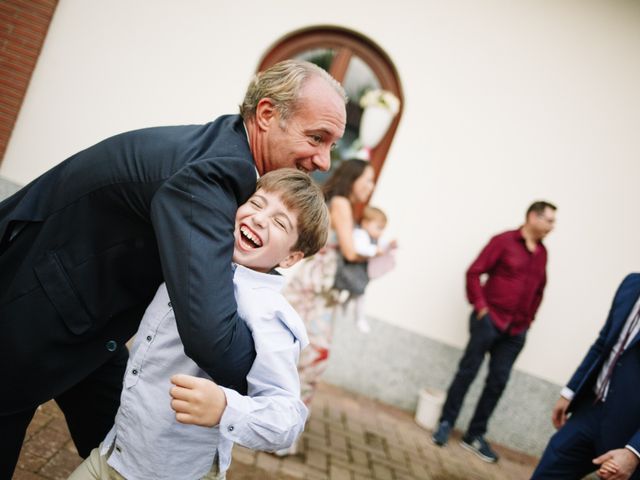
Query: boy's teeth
[245,231]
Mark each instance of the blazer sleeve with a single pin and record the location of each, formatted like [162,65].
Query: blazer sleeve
[595,352]
[193,216]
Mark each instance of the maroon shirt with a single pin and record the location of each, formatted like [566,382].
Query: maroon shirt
[517,277]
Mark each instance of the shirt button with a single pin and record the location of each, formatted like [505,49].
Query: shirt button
[111,345]
[148,338]
[134,371]
[169,304]
[230,428]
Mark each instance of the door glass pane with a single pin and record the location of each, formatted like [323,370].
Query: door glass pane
[319,56]
[359,78]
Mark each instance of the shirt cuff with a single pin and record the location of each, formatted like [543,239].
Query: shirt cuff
[635,452]
[235,415]
[567,393]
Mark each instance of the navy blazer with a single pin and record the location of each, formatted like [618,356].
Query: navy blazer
[623,398]
[101,231]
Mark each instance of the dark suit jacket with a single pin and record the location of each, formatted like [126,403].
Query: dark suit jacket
[103,229]
[623,398]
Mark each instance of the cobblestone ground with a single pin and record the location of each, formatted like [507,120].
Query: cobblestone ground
[348,437]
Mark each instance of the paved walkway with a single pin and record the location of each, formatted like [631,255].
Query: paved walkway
[348,437]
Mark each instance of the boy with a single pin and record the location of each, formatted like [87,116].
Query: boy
[285,220]
[352,278]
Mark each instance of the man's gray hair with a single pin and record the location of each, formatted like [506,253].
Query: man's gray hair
[282,83]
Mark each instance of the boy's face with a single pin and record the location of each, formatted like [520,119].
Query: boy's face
[265,232]
[374,228]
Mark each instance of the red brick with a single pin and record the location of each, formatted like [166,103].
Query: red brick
[7,8]
[38,8]
[13,74]
[33,35]
[13,63]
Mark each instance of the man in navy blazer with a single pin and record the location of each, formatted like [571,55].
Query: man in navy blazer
[604,400]
[84,247]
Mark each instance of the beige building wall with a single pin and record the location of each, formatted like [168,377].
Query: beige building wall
[506,102]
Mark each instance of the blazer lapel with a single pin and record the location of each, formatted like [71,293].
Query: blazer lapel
[627,302]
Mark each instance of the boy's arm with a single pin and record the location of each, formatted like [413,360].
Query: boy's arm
[270,418]
[272,415]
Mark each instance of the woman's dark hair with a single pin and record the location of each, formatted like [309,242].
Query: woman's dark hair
[342,180]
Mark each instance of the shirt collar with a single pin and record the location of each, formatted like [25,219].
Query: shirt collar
[253,278]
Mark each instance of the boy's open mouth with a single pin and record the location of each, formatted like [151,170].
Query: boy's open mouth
[249,238]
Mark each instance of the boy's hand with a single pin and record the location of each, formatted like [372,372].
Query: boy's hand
[618,464]
[197,401]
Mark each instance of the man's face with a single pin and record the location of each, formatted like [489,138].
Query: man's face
[265,232]
[305,139]
[543,223]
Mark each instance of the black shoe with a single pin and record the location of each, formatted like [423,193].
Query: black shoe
[480,447]
[441,435]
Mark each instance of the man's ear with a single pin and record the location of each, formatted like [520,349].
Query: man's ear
[291,259]
[265,113]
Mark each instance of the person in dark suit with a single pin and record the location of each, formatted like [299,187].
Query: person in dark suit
[604,401]
[84,247]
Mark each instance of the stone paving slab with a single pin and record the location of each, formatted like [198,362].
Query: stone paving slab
[348,437]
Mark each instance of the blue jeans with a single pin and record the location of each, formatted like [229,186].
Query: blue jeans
[503,350]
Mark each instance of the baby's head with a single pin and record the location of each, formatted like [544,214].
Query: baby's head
[373,222]
[284,221]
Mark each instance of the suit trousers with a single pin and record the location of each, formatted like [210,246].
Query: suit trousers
[503,350]
[89,408]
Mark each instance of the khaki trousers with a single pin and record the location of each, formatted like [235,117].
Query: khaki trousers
[95,467]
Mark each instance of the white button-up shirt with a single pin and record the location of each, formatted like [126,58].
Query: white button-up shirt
[148,442]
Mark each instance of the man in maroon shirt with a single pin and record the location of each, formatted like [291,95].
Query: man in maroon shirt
[503,308]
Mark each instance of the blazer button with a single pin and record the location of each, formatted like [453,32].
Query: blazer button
[111,345]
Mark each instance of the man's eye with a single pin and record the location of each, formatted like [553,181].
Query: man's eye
[316,138]
[334,146]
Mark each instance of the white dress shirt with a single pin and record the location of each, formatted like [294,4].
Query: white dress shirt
[148,442]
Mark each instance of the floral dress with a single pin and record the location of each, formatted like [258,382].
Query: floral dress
[310,291]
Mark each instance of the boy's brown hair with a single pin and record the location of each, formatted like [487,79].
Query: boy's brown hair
[374,214]
[305,199]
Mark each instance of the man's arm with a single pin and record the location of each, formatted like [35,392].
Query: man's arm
[485,262]
[193,215]
[617,464]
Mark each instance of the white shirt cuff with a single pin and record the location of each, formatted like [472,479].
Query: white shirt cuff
[629,447]
[234,417]
[567,393]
